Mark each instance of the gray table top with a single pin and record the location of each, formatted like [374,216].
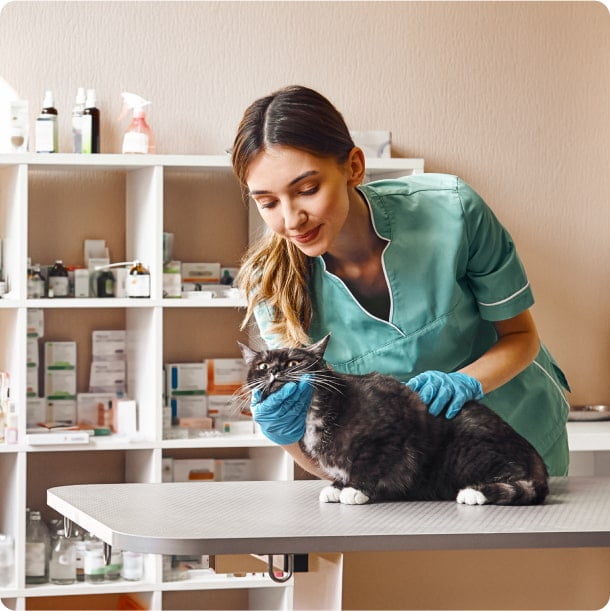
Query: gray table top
[286,517]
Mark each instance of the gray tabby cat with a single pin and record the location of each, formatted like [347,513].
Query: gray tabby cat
[375,439]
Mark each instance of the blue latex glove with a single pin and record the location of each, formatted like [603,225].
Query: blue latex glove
[281,415]
[445,390]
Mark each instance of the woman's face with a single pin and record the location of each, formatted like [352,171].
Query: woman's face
[301,197]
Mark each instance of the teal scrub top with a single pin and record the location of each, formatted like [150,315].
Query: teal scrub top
[452,270]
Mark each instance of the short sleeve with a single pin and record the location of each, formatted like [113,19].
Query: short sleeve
[263,317]
[495,273]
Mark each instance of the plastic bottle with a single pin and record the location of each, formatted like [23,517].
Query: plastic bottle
[37,547]
[139,137]
[46,126]
[59,284]
[77,121]
[62,567]
[138,281]
[91,124]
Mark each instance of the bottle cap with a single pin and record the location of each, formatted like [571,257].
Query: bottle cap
[48,99]
[90,103]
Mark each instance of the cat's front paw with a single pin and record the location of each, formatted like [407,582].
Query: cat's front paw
[351,496]
[330,494]
[470,496]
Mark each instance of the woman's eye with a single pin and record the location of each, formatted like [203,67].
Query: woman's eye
[262,366]
[265,205]
[311,191]
[293,363]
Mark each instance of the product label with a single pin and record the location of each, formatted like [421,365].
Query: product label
[46,134]
[35,559]
[138,286]
[135,142]
[87,133]
[59,285]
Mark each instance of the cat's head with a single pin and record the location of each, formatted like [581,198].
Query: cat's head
[269,370]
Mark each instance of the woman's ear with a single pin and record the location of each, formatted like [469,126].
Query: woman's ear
[356,167]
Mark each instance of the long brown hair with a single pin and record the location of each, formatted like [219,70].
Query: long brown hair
[274,271]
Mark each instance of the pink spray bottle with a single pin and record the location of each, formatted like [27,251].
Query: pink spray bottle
[139,137]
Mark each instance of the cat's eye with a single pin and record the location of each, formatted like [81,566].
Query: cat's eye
[262,366]
[293,363]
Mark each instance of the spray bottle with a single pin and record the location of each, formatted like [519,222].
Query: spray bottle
[138,137]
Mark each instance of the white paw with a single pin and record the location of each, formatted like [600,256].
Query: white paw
[351,496]
[330,494]
[469,496]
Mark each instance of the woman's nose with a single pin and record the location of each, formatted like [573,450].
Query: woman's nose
[294,216]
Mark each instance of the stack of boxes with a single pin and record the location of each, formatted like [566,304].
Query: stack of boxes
[60,381]
[203,395]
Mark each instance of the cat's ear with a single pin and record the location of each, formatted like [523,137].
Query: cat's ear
[319,347]
[247,352]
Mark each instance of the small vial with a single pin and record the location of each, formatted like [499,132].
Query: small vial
[95,565]
[133,566]
[113,570]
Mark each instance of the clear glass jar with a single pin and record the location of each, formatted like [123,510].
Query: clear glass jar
[7,560]
[37,546]
[62,566]
[95,565]
[133,566]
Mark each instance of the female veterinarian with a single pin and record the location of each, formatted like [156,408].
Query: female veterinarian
[414,277]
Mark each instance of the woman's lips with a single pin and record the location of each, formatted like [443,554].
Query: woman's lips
[304,238]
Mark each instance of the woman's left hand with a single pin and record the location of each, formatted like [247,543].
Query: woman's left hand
[445,390]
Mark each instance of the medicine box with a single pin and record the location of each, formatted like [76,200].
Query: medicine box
[233,469]
[60,384]
[189,406]
[186,378]
[60,355]
[194,469]
[81,282]
[61,411]
[88,404]
[108,377]
[225,376]
[235,427]
[32,352]
[200,273]
[31,381]
[35,322]
[108,345]
[224,406]
[36,411]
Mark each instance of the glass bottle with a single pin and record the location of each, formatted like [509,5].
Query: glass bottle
[138,281]
[105,284]
[95,565]
[59,284]
[35,282]
[62,567]
[113,570]
[36,549]
[7,560]
[133,566]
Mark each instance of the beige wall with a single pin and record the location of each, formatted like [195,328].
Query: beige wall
[514,97]
[511,96]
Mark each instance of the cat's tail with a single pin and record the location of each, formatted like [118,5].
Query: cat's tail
[517,492]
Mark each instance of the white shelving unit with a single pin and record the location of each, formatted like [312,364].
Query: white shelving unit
[48,206]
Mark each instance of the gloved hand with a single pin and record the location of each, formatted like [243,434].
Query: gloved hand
[451,390]
[281,415]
